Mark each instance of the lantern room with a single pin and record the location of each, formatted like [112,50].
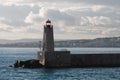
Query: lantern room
[48,23]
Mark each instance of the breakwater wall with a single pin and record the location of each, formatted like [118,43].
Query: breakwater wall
[74,61]
[95,60]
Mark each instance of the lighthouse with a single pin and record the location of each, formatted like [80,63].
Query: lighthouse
[48,57]
[48,37]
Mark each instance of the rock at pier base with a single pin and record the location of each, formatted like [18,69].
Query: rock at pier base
[27,64]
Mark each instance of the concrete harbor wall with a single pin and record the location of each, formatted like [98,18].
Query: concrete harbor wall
[58,59]
[67,60]
[95,60]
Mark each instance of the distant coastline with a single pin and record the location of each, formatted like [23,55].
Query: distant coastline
[34,43]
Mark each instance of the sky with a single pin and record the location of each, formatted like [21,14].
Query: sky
[71,19]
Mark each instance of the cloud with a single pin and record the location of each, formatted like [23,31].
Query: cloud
[81,18]
[70,23]
[113,3]
[95,21]
[14,15]
[61,19]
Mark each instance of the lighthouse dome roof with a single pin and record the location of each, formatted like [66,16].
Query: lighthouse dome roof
[48,21]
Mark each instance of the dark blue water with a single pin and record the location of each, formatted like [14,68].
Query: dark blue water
[9,55]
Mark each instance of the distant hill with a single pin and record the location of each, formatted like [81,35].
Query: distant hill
[4,41]
[98,42]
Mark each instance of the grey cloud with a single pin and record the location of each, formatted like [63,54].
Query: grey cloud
[14,23]
[32,30]
[83,21]
[3,30]
[35,9]
[114,3]
[101,2]
[106,12]
[14,15]
[61,16]
[78,21]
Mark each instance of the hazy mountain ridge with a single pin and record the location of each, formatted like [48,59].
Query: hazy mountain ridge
[98,42]
[4,41]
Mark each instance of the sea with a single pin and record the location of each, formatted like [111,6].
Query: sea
[9,55]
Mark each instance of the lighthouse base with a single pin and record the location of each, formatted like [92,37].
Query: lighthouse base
[55,59]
